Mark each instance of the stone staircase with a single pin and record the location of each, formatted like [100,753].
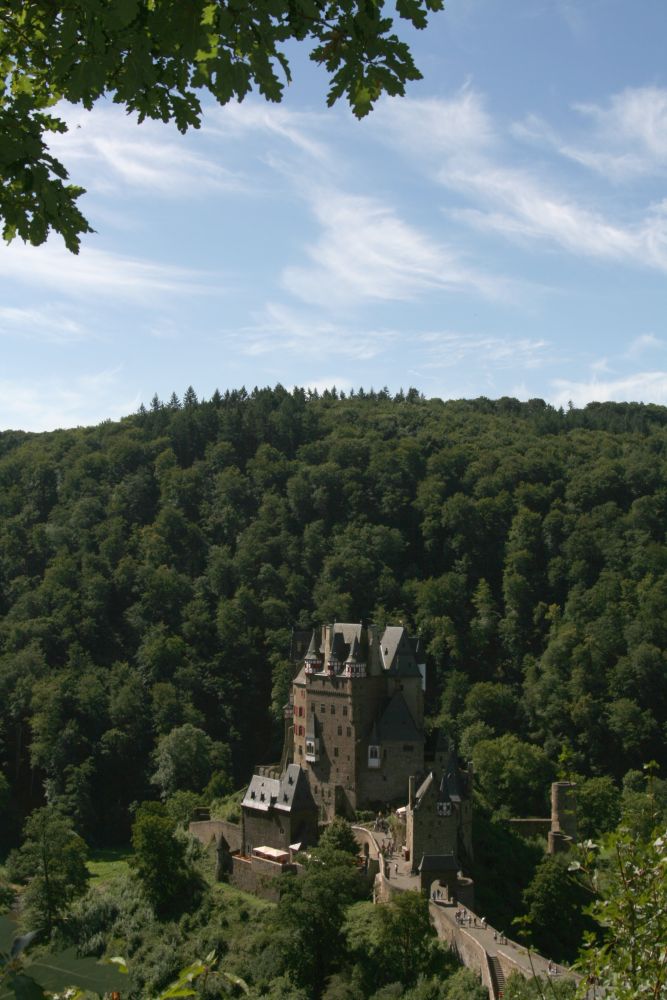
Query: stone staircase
[497,978]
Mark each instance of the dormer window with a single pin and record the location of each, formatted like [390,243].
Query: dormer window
[373,755]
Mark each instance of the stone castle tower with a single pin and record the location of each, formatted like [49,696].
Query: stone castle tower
[356,716]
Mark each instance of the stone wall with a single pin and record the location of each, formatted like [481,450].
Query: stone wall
[531,827]
[258,875]
[265,829]
[468,950]
[211,829]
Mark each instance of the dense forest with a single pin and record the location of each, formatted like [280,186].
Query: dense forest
[152,569]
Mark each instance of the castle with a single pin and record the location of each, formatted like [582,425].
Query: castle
[355,740]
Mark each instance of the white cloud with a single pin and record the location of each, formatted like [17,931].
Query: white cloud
[636,119]
[446,349]
[281,330]
[519,206]
[46,404]
[296,127]
[643,387]
[95,272]
[48,323]
[644,343]
[119,154]
[458,143]
[366,253]
[624,139]
[436,127]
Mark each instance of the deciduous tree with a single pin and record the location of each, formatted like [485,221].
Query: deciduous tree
[157,58]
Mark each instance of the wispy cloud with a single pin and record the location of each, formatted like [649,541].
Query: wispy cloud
[46,404]
[447,349]
[638,387]
[298,128]
[283,331]
[96,272]
[50,322]
[643,344]
[623,140]
[366,253]
[458,143]
[456,127]
[516,205]
[116,154]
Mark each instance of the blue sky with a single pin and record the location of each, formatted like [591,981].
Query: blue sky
[502,230]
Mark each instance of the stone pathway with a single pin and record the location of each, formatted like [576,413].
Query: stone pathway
[528,963]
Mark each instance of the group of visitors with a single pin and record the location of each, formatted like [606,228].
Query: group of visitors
[465,919]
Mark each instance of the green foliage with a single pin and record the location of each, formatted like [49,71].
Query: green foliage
[186,759]
[513,775]
[339,836]
[598,804]
[629,877]
[555,903]
[503,867]
[52,859]
[160,861]
[518,988]
[155,58]
[151,571]
[310,916]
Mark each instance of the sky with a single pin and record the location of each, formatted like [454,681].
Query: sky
[500,230]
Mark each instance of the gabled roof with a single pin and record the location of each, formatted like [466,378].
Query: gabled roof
[294,789]
[261,793]
[398,655]
[396,724]
[289,791]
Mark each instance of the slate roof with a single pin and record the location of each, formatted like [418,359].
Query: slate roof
[289,791]
[451,784]
[398,652]
[396,724]
[423,788]
[261,793]
[439,863]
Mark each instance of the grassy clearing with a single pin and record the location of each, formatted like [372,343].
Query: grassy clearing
[109,866]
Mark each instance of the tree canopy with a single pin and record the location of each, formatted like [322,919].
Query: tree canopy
[158,58]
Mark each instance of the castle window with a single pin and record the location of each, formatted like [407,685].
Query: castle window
[300,749]
[335,751]
[340,730]
[344,709]
[333,709]
[373,756]
[444,808]
[323,708]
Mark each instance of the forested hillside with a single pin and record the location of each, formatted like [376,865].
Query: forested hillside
[151,572]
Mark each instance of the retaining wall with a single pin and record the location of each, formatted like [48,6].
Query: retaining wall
[206,830]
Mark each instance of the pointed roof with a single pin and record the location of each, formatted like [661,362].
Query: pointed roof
[451,785]
[354,655]
[312,653]
[290,791]
[339,648]
[396,724]
[294,791]
[398,656]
